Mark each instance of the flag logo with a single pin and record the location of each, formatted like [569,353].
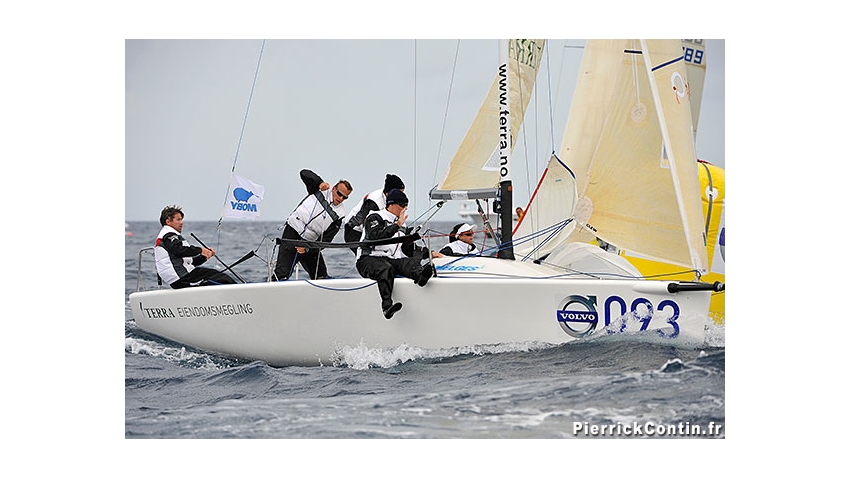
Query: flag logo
[246,198]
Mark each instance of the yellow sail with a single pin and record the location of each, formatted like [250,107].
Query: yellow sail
[671,90]
[634,156]
[713,188]
[474,170]
[615,145]
[591,101]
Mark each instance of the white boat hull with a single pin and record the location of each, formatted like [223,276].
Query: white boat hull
[477,301]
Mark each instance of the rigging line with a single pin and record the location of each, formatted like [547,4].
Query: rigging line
[552,231]
[415,89]
[446,113]
[710,201]
[439,204]
[552,234]
[558,82]
[338,289]
[536,129]
[551,104]
[242,132]
[248,107]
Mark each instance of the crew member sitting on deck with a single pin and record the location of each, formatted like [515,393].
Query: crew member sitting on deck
[383,263]
[176,261]
[461,241]
[374,201]
[316,218]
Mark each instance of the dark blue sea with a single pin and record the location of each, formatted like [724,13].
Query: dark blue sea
[610,387]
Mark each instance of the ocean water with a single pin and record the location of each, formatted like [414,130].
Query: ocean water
[607,387]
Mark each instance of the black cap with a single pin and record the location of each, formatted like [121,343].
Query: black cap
[396,197]
[392,182]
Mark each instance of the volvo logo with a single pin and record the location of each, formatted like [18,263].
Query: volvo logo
[577,315]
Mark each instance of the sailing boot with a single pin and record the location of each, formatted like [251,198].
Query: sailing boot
[391,310]
[425,275]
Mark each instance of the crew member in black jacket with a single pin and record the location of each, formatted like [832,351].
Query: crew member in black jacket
[382,263]
[177,262]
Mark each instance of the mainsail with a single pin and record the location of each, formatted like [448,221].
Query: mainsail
[474,170]
[629,141]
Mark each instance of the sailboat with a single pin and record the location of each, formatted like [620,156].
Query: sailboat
[569,292]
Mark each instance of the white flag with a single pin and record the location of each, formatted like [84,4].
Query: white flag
[243,201]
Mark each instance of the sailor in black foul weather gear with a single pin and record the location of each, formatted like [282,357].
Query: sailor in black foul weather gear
[374,201]
[177,261]
[382,263]
[316,218]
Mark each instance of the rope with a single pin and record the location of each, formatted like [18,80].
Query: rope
[415,114]
[551,101]
[217,234]
[338,289]
[710,199]
[242,132]
[446,113]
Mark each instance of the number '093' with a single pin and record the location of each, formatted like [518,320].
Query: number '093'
[643,314]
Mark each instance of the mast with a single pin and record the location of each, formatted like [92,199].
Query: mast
[504,204]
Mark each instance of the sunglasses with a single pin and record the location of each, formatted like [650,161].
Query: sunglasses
[467,233]
[340,194]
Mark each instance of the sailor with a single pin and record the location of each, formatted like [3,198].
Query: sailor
[374,201]
[383,263]
[316,218]
[461,241]
[176,261]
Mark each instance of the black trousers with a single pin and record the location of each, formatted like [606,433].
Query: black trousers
[383,271]
[288,257]
[202,276]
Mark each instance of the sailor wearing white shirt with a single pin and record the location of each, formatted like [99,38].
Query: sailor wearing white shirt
[177,262]
[316,218]
[461,241]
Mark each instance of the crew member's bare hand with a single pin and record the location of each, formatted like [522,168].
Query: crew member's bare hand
[402,217]
[208,253]
[301,250]
[324,186]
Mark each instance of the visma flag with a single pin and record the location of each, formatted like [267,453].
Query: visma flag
[244,199]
